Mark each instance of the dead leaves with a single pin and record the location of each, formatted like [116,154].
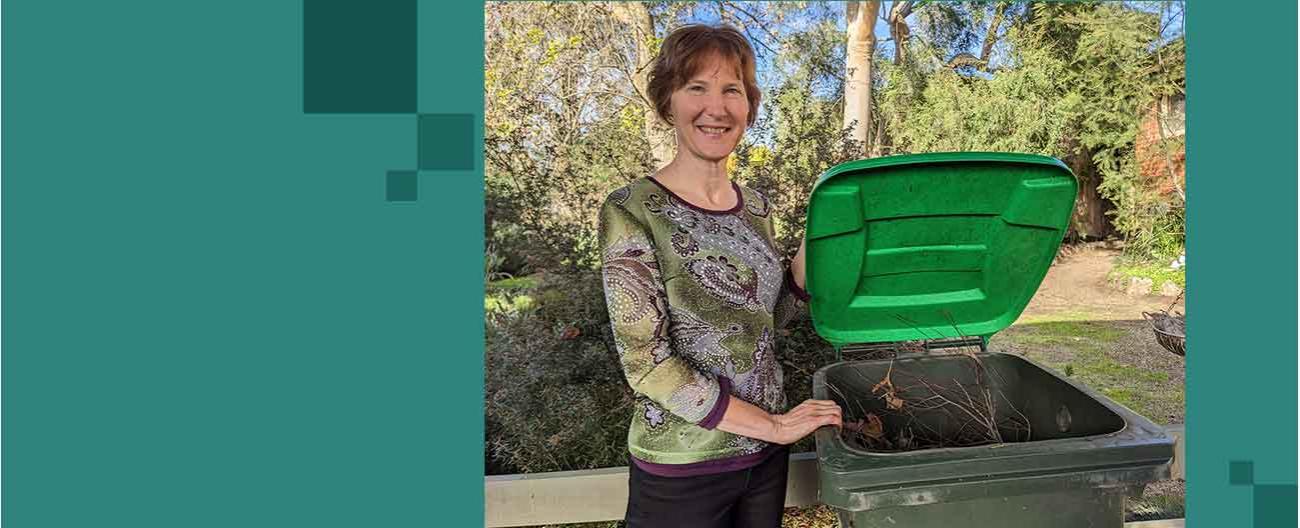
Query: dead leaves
[893,402]
[872,427]
[571,332]
[890,393]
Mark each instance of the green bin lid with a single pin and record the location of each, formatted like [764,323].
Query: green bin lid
[932,246]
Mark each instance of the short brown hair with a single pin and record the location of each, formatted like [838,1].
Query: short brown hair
[682,55]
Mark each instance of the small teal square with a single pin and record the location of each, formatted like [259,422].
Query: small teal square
[446,142]
[403,186]
[1241,473]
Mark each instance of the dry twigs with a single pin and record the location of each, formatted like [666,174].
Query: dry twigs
[907,411]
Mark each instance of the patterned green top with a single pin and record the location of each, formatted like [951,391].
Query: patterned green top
[695,297]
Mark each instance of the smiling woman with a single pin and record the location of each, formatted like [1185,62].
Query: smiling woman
[705,77]
[696,292]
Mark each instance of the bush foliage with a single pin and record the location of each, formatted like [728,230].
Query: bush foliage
[565,126]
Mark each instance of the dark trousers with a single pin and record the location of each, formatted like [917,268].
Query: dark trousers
[749,498]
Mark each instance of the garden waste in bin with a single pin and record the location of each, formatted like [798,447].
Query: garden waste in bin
[941,251]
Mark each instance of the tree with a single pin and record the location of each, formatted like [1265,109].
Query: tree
[861,46]
[636,16]
[564,126]
[1067,80]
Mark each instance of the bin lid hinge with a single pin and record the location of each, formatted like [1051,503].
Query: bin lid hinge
[896,348]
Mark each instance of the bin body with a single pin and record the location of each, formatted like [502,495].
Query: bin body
[1063,509]
[947,247]
[1084,453]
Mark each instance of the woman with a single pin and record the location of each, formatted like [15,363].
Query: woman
[696,292]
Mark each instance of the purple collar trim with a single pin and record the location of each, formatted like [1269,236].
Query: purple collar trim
[740,199]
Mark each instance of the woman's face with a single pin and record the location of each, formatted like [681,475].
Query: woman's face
[710,111]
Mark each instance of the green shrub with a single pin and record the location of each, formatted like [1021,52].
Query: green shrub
[555,397]
[1158,273]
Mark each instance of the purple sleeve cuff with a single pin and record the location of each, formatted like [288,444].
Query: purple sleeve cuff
[798,292]
[720,407]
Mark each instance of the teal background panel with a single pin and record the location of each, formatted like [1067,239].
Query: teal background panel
[1241,261]
[211,315]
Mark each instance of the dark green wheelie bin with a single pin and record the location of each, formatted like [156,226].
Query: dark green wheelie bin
[941,251]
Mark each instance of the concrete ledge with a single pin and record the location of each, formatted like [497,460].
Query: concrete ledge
[598,494]
[601,494]
[1166,523]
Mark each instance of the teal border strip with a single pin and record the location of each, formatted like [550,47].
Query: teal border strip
[1241,277]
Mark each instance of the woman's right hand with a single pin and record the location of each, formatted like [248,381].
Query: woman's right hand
[802,420]
[746,419]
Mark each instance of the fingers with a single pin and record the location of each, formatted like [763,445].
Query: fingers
[812,405]
[816,408]
[808,417]
[797,431]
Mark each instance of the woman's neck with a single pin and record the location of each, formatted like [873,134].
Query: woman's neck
[703,183]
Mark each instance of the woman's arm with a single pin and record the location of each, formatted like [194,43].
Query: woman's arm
[638,312]
[746,419]
[792,302]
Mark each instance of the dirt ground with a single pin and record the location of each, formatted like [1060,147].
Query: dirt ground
[1079,325]
[1078,282]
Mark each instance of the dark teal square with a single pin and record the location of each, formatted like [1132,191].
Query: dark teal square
[403,186]
[1241,473]
[1275,506]
[359,57]
[446,141]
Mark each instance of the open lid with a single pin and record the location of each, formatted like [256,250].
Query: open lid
[932,246]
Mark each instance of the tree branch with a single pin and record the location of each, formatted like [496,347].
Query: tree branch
[761,25]
[990,36]
[966,59]
[898,30]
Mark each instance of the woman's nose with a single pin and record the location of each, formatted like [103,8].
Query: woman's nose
[715,106]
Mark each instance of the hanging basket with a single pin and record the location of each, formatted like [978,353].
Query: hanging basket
[1170,330]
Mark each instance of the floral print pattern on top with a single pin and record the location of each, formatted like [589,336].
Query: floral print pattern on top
[694,296]
[753,257]
[632,292]
[689,332]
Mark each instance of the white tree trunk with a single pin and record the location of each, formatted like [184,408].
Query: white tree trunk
[662,141]
[861,18]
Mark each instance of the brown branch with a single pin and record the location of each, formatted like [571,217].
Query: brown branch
[845,397]
[990,36]
[761,25]
[1160,60]
[973,416]
[898,29]
[966,59]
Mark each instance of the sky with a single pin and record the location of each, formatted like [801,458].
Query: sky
[1173,22]
[766,76]
[1173,28]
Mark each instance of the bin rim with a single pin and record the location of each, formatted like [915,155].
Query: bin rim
[1125,414]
